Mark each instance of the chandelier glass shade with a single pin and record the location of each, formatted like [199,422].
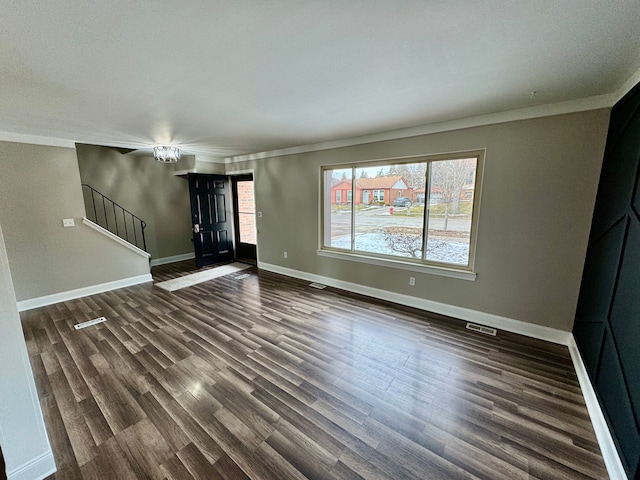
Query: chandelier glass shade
[166,154]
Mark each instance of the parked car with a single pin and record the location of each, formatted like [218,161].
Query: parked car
[402,202]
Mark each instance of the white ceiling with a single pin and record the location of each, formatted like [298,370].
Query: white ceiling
[225,78]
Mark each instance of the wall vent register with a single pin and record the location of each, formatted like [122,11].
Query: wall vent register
[89,323]
[482,329]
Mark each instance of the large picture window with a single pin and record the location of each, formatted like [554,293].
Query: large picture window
[418,211]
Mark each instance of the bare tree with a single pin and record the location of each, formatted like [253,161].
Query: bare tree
[416,174]
[413,173]
[450,176]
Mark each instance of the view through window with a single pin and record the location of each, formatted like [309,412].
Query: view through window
[246,212]
[422,211]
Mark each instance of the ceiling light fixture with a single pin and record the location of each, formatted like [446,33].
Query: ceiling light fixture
[166,154]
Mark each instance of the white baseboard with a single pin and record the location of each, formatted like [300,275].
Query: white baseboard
[600,426]
[82,292]
[175,258]
[38,468]
[503,323]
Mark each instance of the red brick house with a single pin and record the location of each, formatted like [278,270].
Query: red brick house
[380,190]
[341,193]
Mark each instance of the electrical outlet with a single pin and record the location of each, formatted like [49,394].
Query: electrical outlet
[68,222]
[259,214]
[286,255]
[412,281]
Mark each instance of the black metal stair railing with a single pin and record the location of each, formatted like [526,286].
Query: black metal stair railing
[114,217]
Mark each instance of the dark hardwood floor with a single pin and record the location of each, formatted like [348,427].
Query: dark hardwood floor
[267,378]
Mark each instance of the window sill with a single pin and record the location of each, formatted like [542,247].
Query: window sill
[386,262]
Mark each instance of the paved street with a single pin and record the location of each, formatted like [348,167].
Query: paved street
[373,220]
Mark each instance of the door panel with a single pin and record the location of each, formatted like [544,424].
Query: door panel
[212,239]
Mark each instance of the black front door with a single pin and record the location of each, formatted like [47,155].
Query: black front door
[210,219]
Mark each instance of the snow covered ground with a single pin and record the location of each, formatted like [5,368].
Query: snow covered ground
[437,250]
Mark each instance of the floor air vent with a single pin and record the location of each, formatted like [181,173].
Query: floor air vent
[240,277]
[88,323]
[482,329]
[319,286]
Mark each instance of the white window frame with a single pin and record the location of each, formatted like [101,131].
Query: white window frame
[465,272]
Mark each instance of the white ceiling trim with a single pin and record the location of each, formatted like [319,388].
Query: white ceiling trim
[571,106]
[583,104]
[627,86]
[36,140]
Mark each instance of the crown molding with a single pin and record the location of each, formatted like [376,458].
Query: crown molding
[547,110]
[571,106]
[631,82]
[36,140]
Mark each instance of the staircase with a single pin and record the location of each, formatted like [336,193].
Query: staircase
[114,217]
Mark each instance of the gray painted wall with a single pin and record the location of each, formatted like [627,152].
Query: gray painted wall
[22,431]
[540,182]
[148,189]
[40,186]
